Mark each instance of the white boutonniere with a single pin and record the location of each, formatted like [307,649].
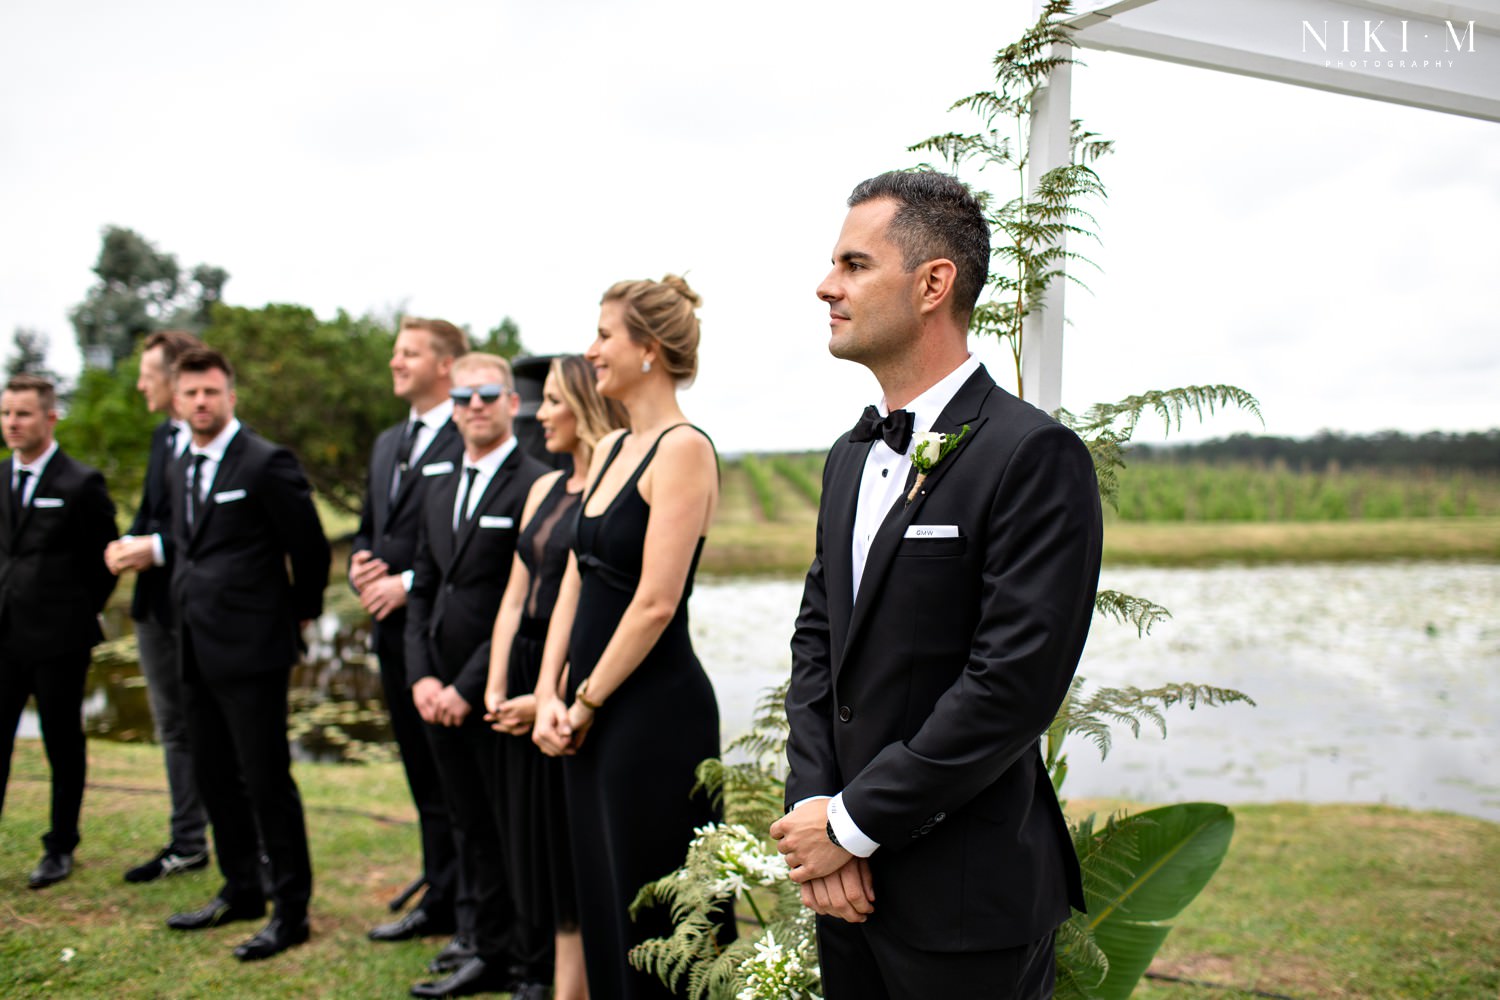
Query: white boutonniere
[928,449]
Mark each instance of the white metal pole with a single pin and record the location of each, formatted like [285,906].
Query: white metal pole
[1042,329]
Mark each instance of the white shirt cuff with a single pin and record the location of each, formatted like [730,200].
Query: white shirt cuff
[851,837]
[406,579]
[158,553]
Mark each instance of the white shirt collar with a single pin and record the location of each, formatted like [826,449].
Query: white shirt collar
[490,463]
[927,407]
[35,468]
[215,448]
[435,417]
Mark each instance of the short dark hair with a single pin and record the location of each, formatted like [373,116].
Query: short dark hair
[172,343]
[46,392]
[202,359]
[939,217]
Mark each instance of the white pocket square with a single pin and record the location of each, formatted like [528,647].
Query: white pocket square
[932,531]
[46,501]
[491,521]
[229,496]
[437,469]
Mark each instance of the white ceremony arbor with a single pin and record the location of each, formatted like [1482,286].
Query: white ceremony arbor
[1382,51]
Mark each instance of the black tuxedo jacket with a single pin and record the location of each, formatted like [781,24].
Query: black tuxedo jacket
[53,581]
[229,576]
[153,587]
[923,700]
[388,526]
[460,577]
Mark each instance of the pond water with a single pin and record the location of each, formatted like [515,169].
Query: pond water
[1372,684]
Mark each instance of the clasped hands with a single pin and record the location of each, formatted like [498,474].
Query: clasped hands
[560,728]
[834,882]
[380,591]
[439,704]
[130,552]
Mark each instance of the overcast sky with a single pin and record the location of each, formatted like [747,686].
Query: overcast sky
[1335,256]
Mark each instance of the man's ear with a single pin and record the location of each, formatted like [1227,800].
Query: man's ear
[935,281]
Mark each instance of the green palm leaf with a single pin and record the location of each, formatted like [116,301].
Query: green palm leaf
[1170,854]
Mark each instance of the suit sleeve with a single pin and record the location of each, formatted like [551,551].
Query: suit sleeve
[812,763]
[419,608]
[97,529]
[295,519]
[1039,576]
[364,536]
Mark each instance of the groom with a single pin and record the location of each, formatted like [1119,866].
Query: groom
[941,623]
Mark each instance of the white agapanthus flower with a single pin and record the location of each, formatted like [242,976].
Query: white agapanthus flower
[780,971]
[740,859]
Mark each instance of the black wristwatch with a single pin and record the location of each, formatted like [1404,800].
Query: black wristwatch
[833,837]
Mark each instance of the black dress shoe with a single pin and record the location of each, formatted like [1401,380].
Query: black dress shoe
[530,991]
[273,939]
[53,868]
[218,911]
[474,976]
[417,923]
[454,953]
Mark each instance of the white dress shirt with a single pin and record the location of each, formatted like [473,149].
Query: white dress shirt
[35,468]
[880,487]
[428,424]
[179,445]
[213,454]
[486,468]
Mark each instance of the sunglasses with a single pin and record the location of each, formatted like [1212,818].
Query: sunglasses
[488,393]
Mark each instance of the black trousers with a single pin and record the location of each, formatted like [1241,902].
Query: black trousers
[57,681]
[867,962]
[469,757]
[244,768]
[439,857]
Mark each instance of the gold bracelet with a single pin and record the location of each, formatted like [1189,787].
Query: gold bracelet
[592,706]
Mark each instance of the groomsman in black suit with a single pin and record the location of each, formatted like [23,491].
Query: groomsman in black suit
[242,512]
[146,549]
[55,519]
[941,623]
[470,520]
[406,459]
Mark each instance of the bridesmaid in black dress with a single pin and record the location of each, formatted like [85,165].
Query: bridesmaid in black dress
[573,417]
[637,712]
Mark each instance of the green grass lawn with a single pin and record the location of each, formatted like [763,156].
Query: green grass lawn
[1313,901]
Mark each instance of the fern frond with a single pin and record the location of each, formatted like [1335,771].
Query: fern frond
[1131,610]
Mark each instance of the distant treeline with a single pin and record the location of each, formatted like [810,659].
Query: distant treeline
[1476,450]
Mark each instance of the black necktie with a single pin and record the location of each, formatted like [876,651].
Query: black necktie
[894,429]
[470,471]
[18,500]
[195,480]
[403,454]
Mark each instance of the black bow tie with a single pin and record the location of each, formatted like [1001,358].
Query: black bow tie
[894,429]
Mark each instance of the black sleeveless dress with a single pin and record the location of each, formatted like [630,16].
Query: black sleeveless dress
[541,868]
[630,814]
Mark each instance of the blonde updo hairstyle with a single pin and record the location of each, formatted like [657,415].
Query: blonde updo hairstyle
[661,314]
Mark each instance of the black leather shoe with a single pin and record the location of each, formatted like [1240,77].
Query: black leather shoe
[53,868]
[530,991]
[417,923]
[218,911]
[454,953]
[273,939]
[474,976]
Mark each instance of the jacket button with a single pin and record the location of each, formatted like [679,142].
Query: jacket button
[939,817]
[844,714]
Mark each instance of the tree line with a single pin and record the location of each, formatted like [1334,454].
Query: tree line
[1476,450]
[319,386]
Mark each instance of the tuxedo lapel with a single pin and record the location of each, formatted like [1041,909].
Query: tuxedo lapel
[848,462]
[962,409]
[497,482]
[7,501]
[203,510]
[43,488]
[409,479]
